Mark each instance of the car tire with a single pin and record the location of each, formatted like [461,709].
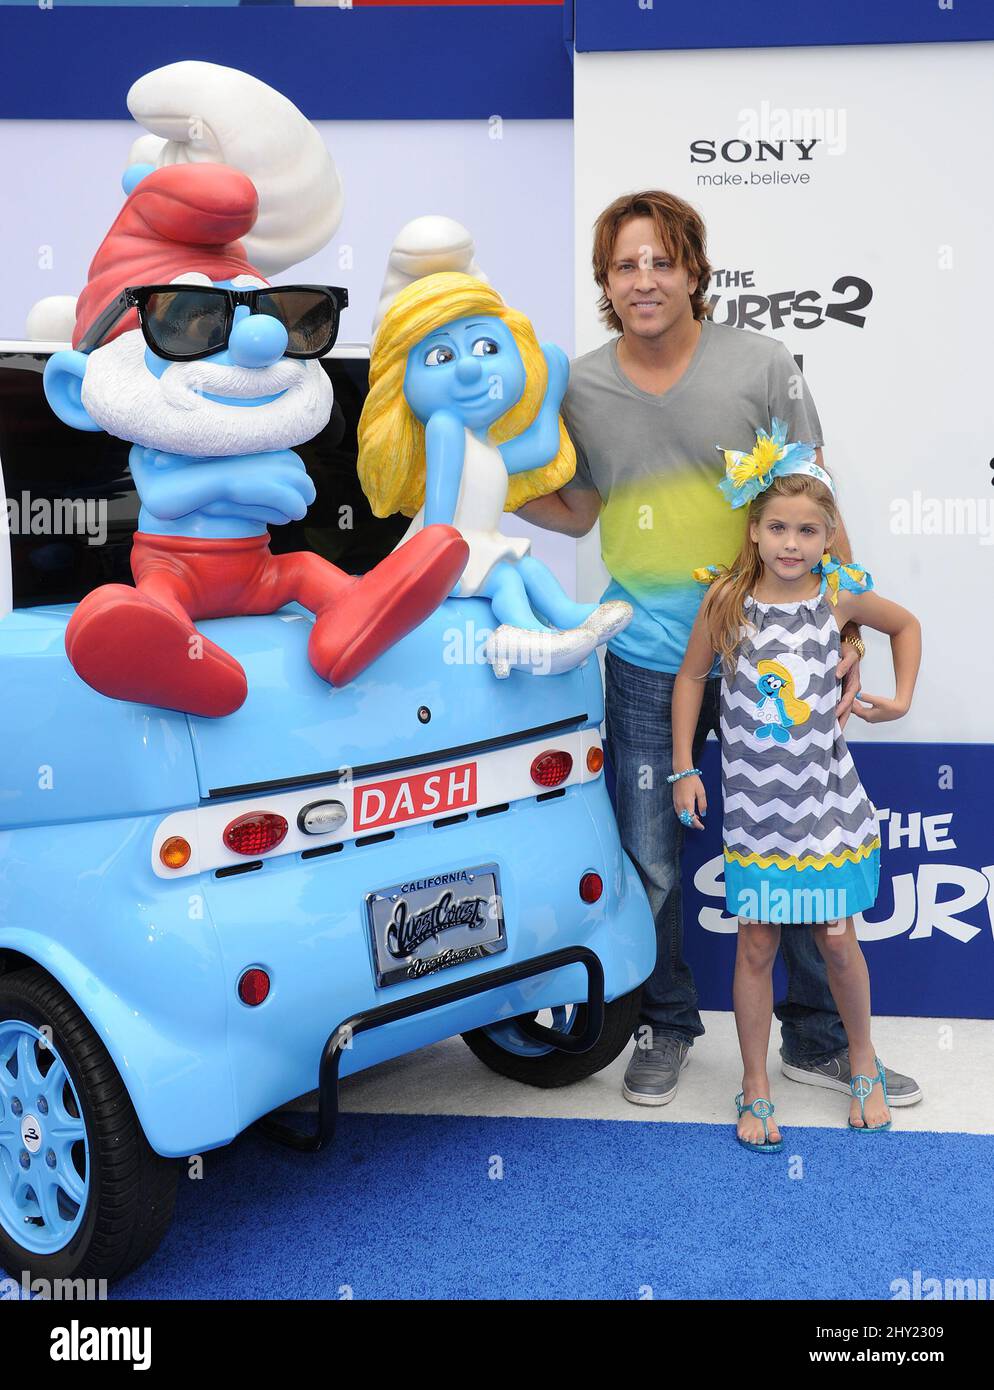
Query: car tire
[556,1068]
[129,1189]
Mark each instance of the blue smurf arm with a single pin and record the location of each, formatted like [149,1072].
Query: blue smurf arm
[539,444]
[785,718]
[173,485]
[445,450]
[270,487]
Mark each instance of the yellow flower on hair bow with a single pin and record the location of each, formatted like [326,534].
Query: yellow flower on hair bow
[765,453]
[747,475]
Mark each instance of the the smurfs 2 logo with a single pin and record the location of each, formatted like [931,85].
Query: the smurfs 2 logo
[798,308]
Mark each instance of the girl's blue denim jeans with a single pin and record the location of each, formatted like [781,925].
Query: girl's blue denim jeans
[640,747]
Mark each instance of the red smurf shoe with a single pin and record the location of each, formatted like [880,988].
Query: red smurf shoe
[125,645]
[387,603]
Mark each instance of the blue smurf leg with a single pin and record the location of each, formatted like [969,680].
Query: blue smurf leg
[506,591]
[549,597]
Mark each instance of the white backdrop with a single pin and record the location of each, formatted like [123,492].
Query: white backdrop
[899,196]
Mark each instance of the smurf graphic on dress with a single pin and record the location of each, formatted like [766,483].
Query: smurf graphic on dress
[778,707]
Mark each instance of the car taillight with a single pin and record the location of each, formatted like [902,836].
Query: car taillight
[255,833]
[549,769]
[591,887]
[175,852]
[253,987]
[595,759]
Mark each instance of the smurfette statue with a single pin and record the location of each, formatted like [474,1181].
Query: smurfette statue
[461,423]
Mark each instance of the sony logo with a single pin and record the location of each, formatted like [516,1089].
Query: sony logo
[738,151]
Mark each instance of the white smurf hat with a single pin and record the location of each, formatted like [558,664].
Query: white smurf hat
[423,247]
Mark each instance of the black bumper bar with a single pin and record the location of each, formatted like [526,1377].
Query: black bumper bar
[396,1009]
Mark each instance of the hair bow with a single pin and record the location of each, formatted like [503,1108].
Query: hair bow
[747,475]
[837,575]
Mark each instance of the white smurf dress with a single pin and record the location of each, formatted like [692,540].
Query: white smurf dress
[479,508]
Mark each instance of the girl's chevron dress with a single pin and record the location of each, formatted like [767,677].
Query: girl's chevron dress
[799,834]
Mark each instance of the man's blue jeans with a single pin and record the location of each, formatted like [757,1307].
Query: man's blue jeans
[640,746]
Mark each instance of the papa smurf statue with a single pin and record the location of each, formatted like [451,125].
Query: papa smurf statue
[182,348]
[462,422]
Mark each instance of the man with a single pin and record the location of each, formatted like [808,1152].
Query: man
[645,412]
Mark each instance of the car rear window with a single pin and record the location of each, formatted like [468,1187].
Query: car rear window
[72,507]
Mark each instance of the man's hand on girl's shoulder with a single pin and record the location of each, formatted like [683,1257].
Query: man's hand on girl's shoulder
[847,672]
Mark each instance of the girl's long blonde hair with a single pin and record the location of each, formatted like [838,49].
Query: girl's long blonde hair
[724,603]
[391,439]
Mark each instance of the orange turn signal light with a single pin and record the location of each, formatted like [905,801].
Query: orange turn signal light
[595,759]
[175,852]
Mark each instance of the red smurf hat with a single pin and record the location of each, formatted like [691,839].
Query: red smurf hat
[181,218]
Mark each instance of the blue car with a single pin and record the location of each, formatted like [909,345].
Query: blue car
[202,920]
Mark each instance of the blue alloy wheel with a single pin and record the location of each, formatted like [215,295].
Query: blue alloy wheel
[44,1148]
[508,1035]
[82,1194]
[505,1049]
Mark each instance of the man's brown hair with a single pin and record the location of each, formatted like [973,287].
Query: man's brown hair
[680,229]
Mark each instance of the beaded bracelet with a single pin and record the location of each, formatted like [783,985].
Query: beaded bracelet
[690,772]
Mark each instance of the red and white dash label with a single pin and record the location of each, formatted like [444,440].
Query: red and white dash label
[407,798]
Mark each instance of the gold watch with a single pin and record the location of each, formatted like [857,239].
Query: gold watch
[856,641]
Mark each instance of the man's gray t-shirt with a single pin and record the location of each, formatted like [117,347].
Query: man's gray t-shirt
[654,461]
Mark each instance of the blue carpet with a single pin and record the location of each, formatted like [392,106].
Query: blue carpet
[402,1206]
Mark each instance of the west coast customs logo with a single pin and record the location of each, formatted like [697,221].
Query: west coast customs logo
[408,930]
[429,924]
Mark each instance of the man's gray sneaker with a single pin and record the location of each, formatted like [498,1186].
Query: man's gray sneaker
[654,1072]
[835,1073]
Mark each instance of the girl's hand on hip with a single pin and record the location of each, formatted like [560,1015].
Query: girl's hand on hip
[878,709]
[689,795]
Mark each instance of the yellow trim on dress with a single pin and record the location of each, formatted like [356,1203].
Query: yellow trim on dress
[807,861]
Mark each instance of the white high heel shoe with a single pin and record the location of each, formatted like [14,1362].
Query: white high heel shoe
[540,653]
[609,619]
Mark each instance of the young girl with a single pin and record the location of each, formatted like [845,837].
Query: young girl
[801,846]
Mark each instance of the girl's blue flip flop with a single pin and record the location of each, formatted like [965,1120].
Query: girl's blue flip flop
[762,1109]
[861,1086]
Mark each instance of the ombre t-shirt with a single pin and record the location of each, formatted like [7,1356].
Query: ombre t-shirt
[654,463]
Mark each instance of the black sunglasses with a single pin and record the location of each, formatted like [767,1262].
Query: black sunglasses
[186,322]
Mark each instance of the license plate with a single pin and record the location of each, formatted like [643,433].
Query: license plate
[428,924]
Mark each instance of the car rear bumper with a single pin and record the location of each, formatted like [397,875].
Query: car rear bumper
[155,965]
[305,924]
[577,1040]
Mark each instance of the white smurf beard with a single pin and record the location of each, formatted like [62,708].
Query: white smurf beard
[169,412]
